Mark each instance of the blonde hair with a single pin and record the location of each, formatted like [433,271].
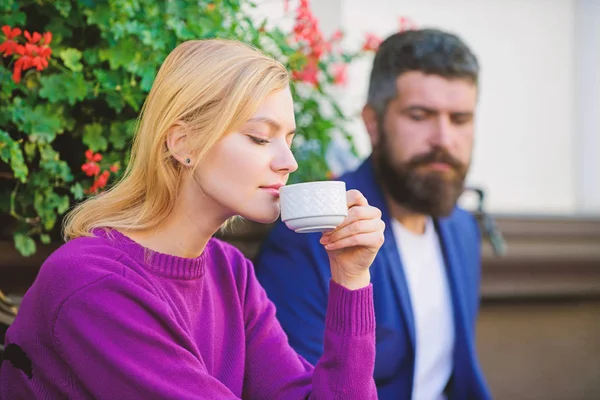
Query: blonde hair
[213,86]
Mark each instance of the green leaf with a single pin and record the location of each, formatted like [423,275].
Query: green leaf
[99,15]
[147,73]
[52,88]
[119,135]
[133,98]
[51,162]
[6,5]
[91,56]
[108,79]
[17,163]
[24,244]
[7,85]
[63,204]
[11,153]
[122,55]
[15,18]
[115,101]
[93,137]
[77,191]
[30,150]
[45,203]
[72,59]
[42,124]
[70,86]
[45,238]
[63,7]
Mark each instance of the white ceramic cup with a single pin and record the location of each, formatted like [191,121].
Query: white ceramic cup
[313,206]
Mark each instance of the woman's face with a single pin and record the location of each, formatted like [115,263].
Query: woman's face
[242,173]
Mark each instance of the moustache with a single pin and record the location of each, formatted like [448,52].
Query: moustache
[436,156]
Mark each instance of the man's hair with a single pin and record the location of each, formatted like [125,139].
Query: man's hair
[430,51]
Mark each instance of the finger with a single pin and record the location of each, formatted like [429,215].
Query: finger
[370,240]
[355,198]
[355,228]
[357,213]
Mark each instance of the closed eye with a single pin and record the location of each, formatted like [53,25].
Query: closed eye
[258,140]
[461,118]
[418,116]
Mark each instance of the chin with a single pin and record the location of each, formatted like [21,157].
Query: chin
[263,217]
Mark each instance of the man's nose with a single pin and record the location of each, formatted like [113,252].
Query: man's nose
[442,135]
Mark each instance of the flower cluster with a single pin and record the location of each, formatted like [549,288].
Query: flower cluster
[372,41]
[314,47]
[93,168]
[309,36]
[306,32]
[34,53]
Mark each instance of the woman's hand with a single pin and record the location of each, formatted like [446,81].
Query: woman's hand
[353,245]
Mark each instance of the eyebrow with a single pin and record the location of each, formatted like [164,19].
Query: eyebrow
[433,111]
[272,123]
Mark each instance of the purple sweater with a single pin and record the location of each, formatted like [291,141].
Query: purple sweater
[108,319]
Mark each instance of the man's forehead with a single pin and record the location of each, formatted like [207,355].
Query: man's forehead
[436,91]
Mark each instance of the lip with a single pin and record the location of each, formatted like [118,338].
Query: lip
[439,166]
[272,189]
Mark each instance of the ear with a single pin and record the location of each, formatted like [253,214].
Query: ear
[177,143]
[371,121]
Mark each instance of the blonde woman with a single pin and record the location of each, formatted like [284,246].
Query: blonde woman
[141,302]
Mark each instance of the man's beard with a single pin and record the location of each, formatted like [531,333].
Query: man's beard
[423,191]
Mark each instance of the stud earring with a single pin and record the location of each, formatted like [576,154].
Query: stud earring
[187,160]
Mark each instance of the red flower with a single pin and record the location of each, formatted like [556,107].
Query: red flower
[405,24]
[340,74]
[372,42]
[102,180]
[93,157]
[99,183]
[309,36]
[91,167]
[309,74]
[32,39]
[10,33]
[33,54]
[337,36]
[47,38]
[9,46]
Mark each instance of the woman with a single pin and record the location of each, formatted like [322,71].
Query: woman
[142,302]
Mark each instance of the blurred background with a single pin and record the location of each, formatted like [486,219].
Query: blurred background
[536,158]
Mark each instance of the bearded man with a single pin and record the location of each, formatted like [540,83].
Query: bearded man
[420,116]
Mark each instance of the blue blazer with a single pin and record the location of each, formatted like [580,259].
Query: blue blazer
[294,270]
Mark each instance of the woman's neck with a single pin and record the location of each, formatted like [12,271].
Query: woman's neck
[185,232]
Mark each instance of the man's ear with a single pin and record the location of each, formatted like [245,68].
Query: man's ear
[177,143]
[371,121]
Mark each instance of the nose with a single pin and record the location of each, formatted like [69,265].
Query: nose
[442,135]
[284,161]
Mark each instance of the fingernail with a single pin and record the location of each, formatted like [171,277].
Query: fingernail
[329,246]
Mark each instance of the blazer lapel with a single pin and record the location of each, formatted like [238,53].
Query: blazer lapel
[452,259]
[463,341]
[388,257]
[391,256]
